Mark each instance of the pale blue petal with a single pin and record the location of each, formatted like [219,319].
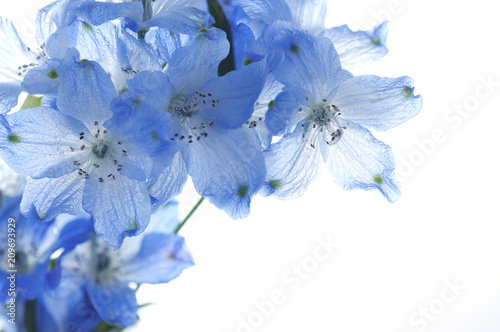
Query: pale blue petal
[236,92]
[166,43]
[377,103]
[161,258]
[44,199]
[38,142]
[120,206]
[169,183]
[267,11]
[43,80]
[356,48]
[114,302]
[101,44]
[194,65]
[85,92]
[227,167]
[9,94]
[359,161]
[264,104]
[152,89]
[308,15]
[16,57]
[284,115]
[178,19]
[142,130]
[291,165]
[97,13]
[316,66]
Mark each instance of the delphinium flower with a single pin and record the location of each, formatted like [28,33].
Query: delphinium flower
[77,159]
[206,111]
[33,244]
[156,256]
[325,115]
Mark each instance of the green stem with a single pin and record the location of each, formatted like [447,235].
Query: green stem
[189,215]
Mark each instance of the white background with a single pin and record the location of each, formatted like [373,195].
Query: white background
[393,260]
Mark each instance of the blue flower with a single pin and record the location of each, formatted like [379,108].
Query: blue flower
[327,115]
[34,244]
[17,59]
[156,256]
[77,159]
[224,162]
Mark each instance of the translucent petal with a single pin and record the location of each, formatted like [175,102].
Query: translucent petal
[44,199]
[357,48]
[292,163]
[227,167]
[41,142]
[161,258]
[377,103]
[120,206]
[115,302]
[85,85]
[359,161]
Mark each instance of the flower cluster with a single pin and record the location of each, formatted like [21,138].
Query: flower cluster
[245,98]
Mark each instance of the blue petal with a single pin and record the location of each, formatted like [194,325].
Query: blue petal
[169,183]
[161,258]
[236,92]
[97,13]
[283,116]
[316,66]
[115,303]
[62,312]
[178,19]
[166,44]
[44,199]
[120,207]
[16,56]
[151,88]
[227,167]
[38,140]
[85,85]
[267,11]
[291,165]
[43,79]
[308,15]
[356,48]
[359,161]
[194,65]
[377,103]
[9,95]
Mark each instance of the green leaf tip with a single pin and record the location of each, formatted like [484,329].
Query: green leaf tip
[407,92]
[243,191]
[295,49]
[378,179]
[14,138]
[276,184]
[52,74]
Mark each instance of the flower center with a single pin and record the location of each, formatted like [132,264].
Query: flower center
[191,124]
[98,151]
[322,123]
